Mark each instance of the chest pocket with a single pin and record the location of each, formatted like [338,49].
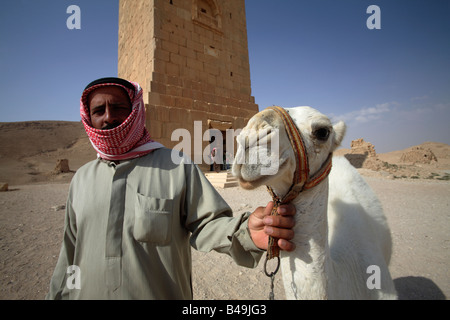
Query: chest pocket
[153,220]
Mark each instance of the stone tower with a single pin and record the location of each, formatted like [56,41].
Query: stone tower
[191,59]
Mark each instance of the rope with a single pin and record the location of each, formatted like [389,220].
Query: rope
[301,181]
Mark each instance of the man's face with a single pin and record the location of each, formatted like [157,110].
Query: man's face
[108,107]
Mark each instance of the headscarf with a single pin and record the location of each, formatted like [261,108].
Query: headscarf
[130,139]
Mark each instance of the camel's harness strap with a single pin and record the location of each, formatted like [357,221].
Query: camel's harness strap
[302,181]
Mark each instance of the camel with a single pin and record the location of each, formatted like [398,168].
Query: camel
[343,242]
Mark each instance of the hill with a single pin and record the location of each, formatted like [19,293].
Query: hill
[29,152]
[429,160]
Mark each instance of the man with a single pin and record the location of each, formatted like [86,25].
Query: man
[214,156]
[132,214]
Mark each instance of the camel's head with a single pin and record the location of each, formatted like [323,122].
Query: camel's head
[265,155]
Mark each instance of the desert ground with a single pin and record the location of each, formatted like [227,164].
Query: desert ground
[415,197]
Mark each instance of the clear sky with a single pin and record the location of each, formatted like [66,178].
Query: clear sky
[390,85]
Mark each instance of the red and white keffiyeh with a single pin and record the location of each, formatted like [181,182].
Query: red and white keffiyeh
[127,141]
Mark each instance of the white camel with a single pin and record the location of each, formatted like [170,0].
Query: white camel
[343,242]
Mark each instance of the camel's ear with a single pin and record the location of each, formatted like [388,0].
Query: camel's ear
[339,133]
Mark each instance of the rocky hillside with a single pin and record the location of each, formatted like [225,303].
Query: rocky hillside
[29,153]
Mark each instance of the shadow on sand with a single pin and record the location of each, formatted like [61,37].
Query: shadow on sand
[417,288]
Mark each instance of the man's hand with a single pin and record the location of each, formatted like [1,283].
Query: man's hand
[261,224]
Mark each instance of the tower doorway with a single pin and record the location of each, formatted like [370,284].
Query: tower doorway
[218,145]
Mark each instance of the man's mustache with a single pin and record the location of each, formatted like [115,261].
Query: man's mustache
[110,126]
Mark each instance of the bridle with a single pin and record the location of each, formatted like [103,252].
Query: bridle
[301,181]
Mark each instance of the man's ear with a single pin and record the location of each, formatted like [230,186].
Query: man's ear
[339,132]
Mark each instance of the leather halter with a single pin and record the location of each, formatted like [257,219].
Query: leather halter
[302,179]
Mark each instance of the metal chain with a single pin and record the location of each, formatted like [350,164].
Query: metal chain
[273,251]
[271,275]
[272,294]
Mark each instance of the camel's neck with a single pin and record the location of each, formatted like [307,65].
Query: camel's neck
[305,270]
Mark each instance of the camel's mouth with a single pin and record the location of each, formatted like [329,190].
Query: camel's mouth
[249,185]
[261,180]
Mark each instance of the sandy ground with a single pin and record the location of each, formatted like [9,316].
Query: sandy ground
[418,212]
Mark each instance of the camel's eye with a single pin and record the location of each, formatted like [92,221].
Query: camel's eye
[322,134]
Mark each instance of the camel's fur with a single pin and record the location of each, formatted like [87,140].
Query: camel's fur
[340,231]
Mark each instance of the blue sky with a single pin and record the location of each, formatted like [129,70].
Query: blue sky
[390,85]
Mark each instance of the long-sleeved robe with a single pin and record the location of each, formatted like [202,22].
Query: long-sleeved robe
[129,228]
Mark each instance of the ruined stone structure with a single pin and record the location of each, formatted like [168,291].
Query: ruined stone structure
[359,146]
[418,155]
[191,59]
[62,166]
[363,155]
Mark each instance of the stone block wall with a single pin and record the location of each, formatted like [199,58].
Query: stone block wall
[191,58]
